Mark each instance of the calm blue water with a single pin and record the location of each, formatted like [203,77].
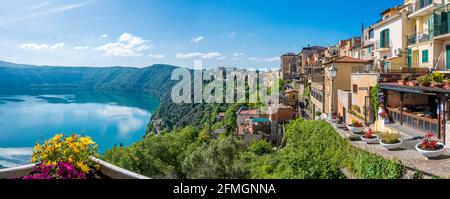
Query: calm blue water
[33,116]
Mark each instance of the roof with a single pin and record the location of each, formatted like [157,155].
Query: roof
[249,112]
[260,120]
[347,59]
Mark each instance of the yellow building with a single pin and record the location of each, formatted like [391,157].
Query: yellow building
[422,51]
[343,68]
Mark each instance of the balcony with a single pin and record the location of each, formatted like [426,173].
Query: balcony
[417,38]
[382,45]
[422,8]
[441,23]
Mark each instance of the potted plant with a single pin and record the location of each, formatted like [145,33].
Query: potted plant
[390,141]
[356,126]
[318,115]
[412,83]
[369,137]
[447,83]
[430,147]
[64,157]
[437,79]
[384,116]
[424,80]
[404,79]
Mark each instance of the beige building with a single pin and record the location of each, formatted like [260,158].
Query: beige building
[288,65]
[342,81]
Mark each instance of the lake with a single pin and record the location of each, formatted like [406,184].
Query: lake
[27,117]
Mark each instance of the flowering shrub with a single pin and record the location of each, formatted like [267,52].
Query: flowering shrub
[383,114]
[64,155]
[356,123]
[430,143]
[369,134]
[63,170]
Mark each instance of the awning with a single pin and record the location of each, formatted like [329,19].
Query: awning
[415,89]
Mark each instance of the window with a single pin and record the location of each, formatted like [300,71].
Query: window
[371,34]
[384,39]
[355,88]
[424,56]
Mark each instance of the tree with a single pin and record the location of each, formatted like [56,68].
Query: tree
[218,160]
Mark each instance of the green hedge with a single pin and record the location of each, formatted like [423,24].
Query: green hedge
[315,151]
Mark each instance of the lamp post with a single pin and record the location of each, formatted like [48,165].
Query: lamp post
[332,74]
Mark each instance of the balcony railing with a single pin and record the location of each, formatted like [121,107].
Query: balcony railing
[417,38]
[317,79]
[441,22]
[383,44]
[419,5]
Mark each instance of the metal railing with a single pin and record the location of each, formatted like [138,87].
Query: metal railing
[380,44]
[441,22]
[417,38]
[419,5]
[317,79]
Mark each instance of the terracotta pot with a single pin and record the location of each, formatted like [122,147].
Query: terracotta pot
[437,85]
[447,84]
[401,82]
[412,83]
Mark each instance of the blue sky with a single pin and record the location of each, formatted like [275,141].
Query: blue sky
[239,33]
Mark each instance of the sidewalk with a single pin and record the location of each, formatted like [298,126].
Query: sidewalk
[409,157]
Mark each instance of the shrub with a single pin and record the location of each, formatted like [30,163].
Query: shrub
[390,138]
[437,77]
[424,80]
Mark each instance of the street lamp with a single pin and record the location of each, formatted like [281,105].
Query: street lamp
[332,74]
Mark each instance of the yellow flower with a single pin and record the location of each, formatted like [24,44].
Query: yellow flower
[70,159]
[57,137]
[69,140]
[47,148]
[37,147]
[83,167]
[33,159]
[86,141]
[58,145]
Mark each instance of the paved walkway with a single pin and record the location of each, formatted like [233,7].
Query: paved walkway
[407,154]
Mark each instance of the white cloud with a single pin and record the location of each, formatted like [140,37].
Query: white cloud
[221,58]
[34,46]
[209,55]
[238,54]
[126,46]
[197,39]
[273,59]
[157,56]
[103,36]
[253,58]
[81,47]
[63,8]
[188,55]
[56,46]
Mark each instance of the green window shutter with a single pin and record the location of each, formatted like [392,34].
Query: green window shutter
[424,56]
[387,38]
[409,58]
[382,39]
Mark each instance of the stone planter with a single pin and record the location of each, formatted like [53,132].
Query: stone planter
[108,170]
[392,146]
[370,141]
[431,154]
[356,130]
